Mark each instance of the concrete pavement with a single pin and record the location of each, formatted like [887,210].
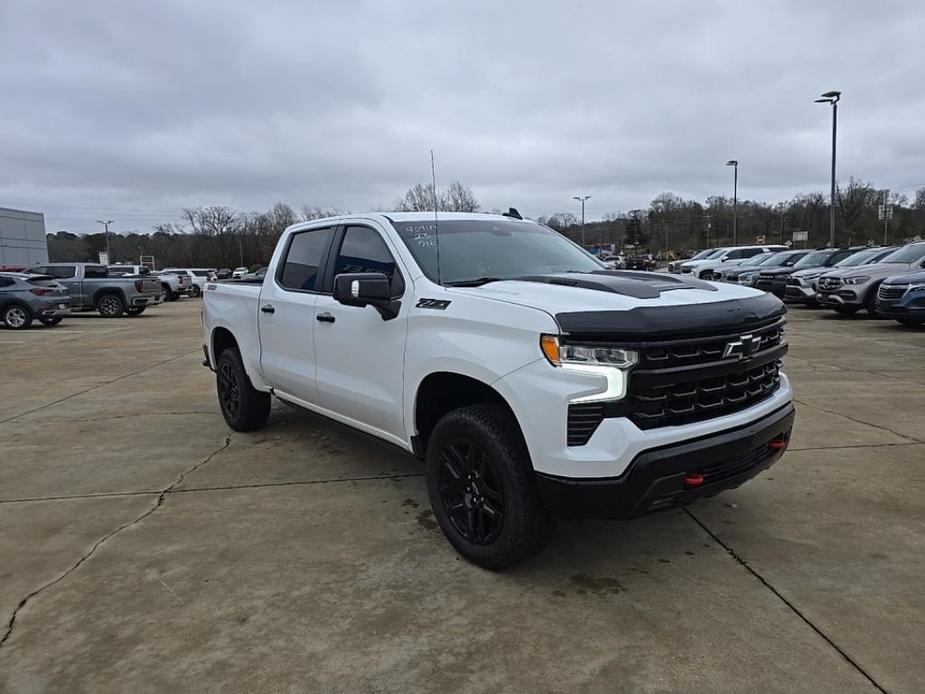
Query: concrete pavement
[145,547]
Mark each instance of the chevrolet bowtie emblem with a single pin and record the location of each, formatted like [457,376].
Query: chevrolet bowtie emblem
[744,347]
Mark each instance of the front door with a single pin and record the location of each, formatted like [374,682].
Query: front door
[360,356]
[286,315]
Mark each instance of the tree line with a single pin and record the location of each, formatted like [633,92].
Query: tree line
[219,236]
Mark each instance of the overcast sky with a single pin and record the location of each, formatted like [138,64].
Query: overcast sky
[132,110]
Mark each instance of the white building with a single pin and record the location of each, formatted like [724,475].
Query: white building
[22,238]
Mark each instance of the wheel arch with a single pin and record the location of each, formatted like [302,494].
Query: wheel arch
[109,291]
[443,391]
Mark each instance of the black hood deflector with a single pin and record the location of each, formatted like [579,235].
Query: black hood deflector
[639,285]
[647,323]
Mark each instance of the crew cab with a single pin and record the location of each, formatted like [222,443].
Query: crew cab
[534,382]
[851,289]
[92,288]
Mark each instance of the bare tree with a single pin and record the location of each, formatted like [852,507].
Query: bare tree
[459,198]
[310,212]
[420,198]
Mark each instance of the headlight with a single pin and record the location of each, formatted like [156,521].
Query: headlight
[915,286]
[855,280]
[613,363]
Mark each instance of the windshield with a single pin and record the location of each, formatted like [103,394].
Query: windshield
[759,259]
[703,255]
[781,259]
[906,254]
[814,259]
[472,249]
[858,258]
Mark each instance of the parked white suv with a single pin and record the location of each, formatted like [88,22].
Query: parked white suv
[728,257]
[196,276]
[533,381]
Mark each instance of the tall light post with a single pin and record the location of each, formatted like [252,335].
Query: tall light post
[832,98]
[106,226]
[582,199]
[735,198]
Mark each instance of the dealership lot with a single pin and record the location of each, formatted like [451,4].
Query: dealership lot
[156,550]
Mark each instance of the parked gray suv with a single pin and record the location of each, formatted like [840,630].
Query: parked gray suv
[24,298]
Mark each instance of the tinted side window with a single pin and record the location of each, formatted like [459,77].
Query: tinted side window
[6,282]
[95,273]
[749,252]
[839,255]
[63,272]
[38,270]
[300,267]
[735,255]
[363,250]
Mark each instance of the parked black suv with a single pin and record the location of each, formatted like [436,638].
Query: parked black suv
[774,280]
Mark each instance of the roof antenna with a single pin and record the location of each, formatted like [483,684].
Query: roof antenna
[433,177]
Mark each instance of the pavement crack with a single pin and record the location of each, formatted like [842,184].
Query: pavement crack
[106,418]
[11,624]
[859,421]
[793,608]
[98,385]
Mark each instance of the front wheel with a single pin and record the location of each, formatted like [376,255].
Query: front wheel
[482,487]
[17,317]
[244,407]
[54,320]
[195,291]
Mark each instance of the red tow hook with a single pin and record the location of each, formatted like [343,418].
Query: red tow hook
[778,444]
[693,479]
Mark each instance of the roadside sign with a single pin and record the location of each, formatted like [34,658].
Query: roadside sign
[104,258]
[800,235]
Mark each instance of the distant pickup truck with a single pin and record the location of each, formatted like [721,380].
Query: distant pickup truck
[535,382]
[93,288]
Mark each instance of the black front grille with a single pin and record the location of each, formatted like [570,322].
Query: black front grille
[792,282]
[892,291]
[695,400]
[673,353]
[829,283]
[583,419]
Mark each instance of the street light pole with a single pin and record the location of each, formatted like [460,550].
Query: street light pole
[106,226]
[832,98]
[582,199]
[735,198]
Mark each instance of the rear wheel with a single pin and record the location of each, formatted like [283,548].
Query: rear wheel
[54,320]
[17,317]
[244,407]
[195,291]
[135,310]
[110,306]
[482,487]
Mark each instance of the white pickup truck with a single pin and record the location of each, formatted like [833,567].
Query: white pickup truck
[534,382]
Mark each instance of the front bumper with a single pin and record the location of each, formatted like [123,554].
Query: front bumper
[839,297]
[667,476]
[800,294]
[911,305]
[776,287]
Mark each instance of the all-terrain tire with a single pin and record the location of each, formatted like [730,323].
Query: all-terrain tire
[506,478]
[110,306]
[244,407]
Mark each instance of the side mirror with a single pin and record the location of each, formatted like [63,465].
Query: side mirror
[723,259]
[366,289]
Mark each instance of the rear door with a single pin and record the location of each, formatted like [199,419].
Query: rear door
[67,275]
[286,314]
[360,356]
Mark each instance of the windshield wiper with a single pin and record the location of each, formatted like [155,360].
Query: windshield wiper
[474,282]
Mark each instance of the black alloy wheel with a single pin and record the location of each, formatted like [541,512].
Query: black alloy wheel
[229,391]
[471,492]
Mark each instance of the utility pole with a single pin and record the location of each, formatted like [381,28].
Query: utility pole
[582,199]
[106,226]
[832,98]
[735,198]
[886,214]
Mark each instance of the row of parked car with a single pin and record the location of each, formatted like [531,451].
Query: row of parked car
[49,292]
[885,281]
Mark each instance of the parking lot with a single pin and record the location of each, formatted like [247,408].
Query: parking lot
[145,547]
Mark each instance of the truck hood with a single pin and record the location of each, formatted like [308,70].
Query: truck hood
[876,270]
[635,305]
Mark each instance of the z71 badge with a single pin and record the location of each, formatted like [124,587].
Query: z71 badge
[439,304]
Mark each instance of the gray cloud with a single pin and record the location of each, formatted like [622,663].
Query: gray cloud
[134,110]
